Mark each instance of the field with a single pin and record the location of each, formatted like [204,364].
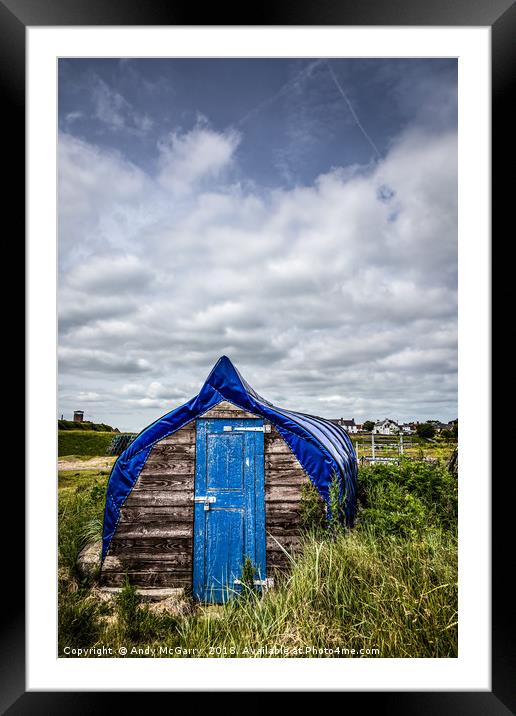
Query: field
[412,447]
[387,588]
[83,442]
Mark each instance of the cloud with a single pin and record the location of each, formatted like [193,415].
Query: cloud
[115,112]
[186,159]
[84,359]
[88,397]
[338,298]
[153,395]
[110,273]
[72,117]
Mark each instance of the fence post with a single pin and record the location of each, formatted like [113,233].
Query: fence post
[372,446]
[356,448]
[401,444]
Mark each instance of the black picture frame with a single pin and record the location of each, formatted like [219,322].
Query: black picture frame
[500,15]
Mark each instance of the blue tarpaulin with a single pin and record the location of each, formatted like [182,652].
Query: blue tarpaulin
[322,448]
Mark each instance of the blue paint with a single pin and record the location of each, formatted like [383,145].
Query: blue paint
[229,467]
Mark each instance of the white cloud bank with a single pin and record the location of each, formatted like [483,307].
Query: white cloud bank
[337,298]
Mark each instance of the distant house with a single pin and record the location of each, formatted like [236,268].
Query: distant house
[386,427]
[348,425]
[407,428]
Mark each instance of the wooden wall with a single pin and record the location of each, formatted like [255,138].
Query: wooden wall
[284,477]
[153,542]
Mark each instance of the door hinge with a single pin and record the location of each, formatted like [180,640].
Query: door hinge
[206,500]
[261,429]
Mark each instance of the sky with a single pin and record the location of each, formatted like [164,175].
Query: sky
[297,215]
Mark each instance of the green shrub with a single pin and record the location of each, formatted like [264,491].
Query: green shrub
[249,574]
[406,498]
[312,508]
[425,430]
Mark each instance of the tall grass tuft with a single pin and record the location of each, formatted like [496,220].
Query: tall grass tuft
[136,623]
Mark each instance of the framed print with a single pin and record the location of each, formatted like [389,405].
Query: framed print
[208,206]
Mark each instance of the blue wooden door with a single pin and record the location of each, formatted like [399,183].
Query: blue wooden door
[229,516]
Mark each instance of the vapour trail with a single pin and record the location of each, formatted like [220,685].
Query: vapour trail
[301,75]
[350,107]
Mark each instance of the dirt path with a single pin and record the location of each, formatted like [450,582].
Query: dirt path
[94,463]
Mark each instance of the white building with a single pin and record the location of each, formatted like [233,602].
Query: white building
[386,427]
[348,425]
[407,429]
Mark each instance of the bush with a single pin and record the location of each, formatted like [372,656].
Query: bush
[425,430]
[405,499]
[312,508]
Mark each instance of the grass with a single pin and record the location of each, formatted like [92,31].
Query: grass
[414,447]
[83,443]
[387,588]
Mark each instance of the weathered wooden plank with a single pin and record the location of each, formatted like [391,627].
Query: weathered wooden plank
[281,519]
[162,498]
[164,480]
[227,410]
[274,473]
[151,545]
[149,514]
[284,529]
[228,415]
[226,405]
[154,559]
[180,561]
[277,446]
[290,509]
[181,437]
[288,477]
[167,529]
[277,558]
[172,466]
[281,462]
[282,493]
[289,542]
[148,579]
[172,451]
